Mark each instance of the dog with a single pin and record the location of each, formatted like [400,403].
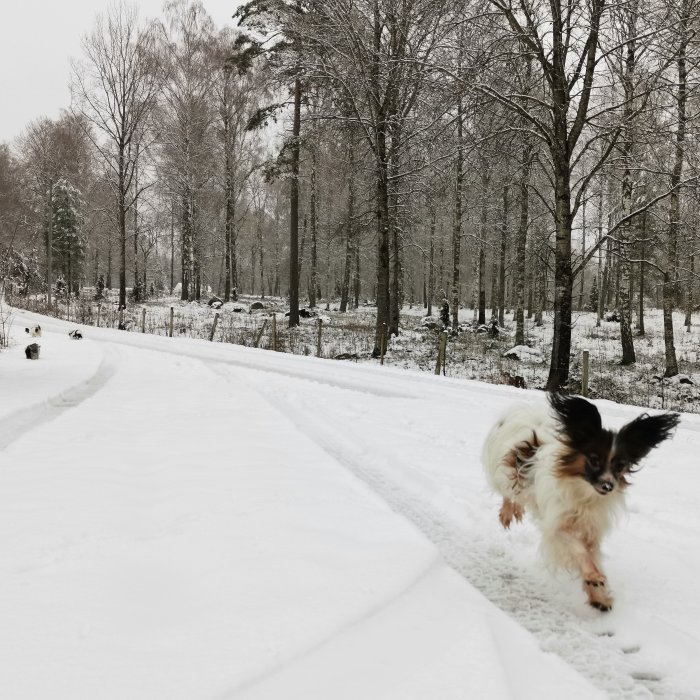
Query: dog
[571,474]
[513,380]
[76,335]
[31,352]
[34,332]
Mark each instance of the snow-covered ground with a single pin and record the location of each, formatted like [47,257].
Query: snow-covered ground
[470,354]
[183,519]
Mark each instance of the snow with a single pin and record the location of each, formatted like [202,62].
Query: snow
[183,519]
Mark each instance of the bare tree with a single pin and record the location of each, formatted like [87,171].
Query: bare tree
[115,88]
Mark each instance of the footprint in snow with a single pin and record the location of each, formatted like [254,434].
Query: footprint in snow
[646,676]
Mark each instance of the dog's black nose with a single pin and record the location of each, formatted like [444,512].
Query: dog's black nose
[606,486]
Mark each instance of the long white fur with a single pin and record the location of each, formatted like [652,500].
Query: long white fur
[552,501]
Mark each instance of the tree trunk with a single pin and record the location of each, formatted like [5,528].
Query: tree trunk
[136,219]
[563,279]
[313,283]
[670,290]
[431,262]
[689,297]
[294,211]
[172,245]
[396,284]
[481,317]
[186,248]
[349,227]
[457,226]
[356,272]
[601,283]
[640,314]
[669,345]
[482,286]
[627,147]
[502,261]
[49,247]
[582,298]
[382,255]
[230,218]
[521,247]
[122,230]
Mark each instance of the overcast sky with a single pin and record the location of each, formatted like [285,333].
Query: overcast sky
[37,39]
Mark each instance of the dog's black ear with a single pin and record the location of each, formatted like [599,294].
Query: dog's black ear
[579,418]
[637,438]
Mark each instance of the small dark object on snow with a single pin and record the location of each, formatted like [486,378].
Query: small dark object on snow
[493,327]
[32,351]
[305,313]
[215,303]
[256,305]
[430,323]
[34,332]
[613,316]
[347,356]
[76,335]
[513,380]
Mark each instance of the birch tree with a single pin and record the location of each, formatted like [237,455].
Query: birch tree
[115,88]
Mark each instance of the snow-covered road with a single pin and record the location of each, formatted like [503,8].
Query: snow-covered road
[181,519]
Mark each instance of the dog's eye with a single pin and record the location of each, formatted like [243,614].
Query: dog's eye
[594,461]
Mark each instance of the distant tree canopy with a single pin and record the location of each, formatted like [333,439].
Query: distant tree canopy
[537,159]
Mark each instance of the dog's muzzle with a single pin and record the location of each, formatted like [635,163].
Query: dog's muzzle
[604,487]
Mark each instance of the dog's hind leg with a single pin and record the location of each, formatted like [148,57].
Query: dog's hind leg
[509,510]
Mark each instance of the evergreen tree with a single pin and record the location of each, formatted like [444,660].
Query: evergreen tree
[68,235]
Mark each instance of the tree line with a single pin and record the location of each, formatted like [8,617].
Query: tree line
[523,156]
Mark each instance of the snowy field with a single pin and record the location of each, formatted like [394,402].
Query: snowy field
[184,519]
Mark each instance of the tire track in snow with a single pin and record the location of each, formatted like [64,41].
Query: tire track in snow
[27,419]
[596,657]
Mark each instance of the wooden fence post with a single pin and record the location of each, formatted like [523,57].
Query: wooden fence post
[213,327]
[320,337]
[442,346]
[121,318]
[143,320]
[260,333]
[99,311]
[274,332]
[382,344]
[584,374]
[172,318]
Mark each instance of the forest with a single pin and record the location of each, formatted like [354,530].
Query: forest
[522,161]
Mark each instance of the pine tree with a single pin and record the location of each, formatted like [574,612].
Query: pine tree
[68,240]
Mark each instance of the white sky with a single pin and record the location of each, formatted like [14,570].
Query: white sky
[37,39]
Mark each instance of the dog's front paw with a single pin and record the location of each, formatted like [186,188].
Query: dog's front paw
[598,595]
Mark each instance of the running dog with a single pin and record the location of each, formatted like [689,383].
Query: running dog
[570,473]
